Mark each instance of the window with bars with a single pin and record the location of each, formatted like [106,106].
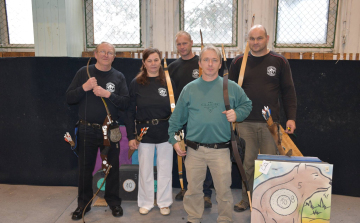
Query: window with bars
[16,24]
[217,20]
[306,23]
[114,21]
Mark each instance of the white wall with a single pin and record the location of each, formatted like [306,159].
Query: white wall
[348,27]
[58,27]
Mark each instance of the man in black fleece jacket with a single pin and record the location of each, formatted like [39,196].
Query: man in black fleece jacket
[110,84]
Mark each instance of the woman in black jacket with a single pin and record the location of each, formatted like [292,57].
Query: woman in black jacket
[150,107]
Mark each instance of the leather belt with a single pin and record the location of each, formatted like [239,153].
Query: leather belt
[152,121]
[195,145]
[94,125]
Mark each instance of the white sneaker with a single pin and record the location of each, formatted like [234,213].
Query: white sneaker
[143,210]
[165,211]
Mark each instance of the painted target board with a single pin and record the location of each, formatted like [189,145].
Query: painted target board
[128,181]
[291,189]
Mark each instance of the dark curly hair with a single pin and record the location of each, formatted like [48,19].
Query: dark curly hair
[142,77]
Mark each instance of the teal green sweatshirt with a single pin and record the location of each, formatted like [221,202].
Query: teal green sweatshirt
[201,104]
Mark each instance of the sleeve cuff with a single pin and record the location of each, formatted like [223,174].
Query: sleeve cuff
[131,137]
[111,98]
[172,140]
[239,117]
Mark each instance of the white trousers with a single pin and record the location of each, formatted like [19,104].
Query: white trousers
[164,163]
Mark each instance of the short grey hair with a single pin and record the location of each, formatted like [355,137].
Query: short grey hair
[181,33]
[96,48]
[211,47]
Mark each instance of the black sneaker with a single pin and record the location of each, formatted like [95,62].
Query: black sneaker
[180,195]
[117,211]
[77,214]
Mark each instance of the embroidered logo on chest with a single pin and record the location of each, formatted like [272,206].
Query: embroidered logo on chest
[210,106]
[195,73]
[271,71]
[110,87]
[162,92]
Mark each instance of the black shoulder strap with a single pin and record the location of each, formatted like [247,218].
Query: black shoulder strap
[233,139]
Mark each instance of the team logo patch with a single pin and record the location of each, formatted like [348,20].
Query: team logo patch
[210,106]
[195,73]
[162,92]
[110,87]
[271,71]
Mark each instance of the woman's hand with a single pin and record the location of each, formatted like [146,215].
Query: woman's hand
[133,144]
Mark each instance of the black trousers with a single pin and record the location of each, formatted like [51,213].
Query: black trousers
[90,139]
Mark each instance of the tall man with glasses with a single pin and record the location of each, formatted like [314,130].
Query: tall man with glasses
[110,84]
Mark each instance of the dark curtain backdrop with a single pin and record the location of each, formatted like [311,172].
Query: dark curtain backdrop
[34,117]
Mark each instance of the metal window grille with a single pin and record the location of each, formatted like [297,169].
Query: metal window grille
[16,24]
[217,20]
[306,23]
[114,21]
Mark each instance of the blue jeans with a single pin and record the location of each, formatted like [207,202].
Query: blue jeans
[207,183]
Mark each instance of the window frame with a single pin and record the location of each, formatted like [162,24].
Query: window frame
[234,20]
[327,45]
[4,31]
[89,28]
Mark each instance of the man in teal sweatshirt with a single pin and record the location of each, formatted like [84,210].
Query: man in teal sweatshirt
[201,105]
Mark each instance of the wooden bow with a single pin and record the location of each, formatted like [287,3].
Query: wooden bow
[103,100]
[244,60]
[102,184]
[105,129]
[282,140]
[202,47]
[172,105]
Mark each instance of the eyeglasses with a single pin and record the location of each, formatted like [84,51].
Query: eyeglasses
[103,53]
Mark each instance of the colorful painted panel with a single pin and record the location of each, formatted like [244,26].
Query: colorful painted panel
[296,192]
